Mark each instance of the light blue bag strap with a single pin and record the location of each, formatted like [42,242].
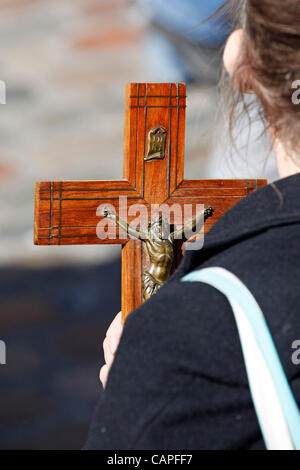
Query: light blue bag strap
[237,292]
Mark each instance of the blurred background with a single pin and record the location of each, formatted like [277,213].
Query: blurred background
[65,64]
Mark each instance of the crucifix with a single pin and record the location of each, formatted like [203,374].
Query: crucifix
[97,212]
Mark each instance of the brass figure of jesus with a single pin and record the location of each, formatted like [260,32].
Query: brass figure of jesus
[160,246]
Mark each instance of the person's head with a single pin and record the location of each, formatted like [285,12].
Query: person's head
[262,56]
[159,229]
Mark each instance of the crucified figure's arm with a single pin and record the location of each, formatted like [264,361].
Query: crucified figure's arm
[124,225]
[189,226]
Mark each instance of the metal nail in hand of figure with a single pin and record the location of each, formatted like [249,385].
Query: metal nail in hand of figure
[160,246]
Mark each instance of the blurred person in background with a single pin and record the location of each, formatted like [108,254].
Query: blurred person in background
[183,44]
[180,46]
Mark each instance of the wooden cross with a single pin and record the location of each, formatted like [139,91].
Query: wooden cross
[153,173]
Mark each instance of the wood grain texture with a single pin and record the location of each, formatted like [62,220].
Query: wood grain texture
[70,212]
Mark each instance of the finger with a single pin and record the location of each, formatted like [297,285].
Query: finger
[103,375]
[114,333]
[116,326]
[108,356]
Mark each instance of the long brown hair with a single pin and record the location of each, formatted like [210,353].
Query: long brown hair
[270,52]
